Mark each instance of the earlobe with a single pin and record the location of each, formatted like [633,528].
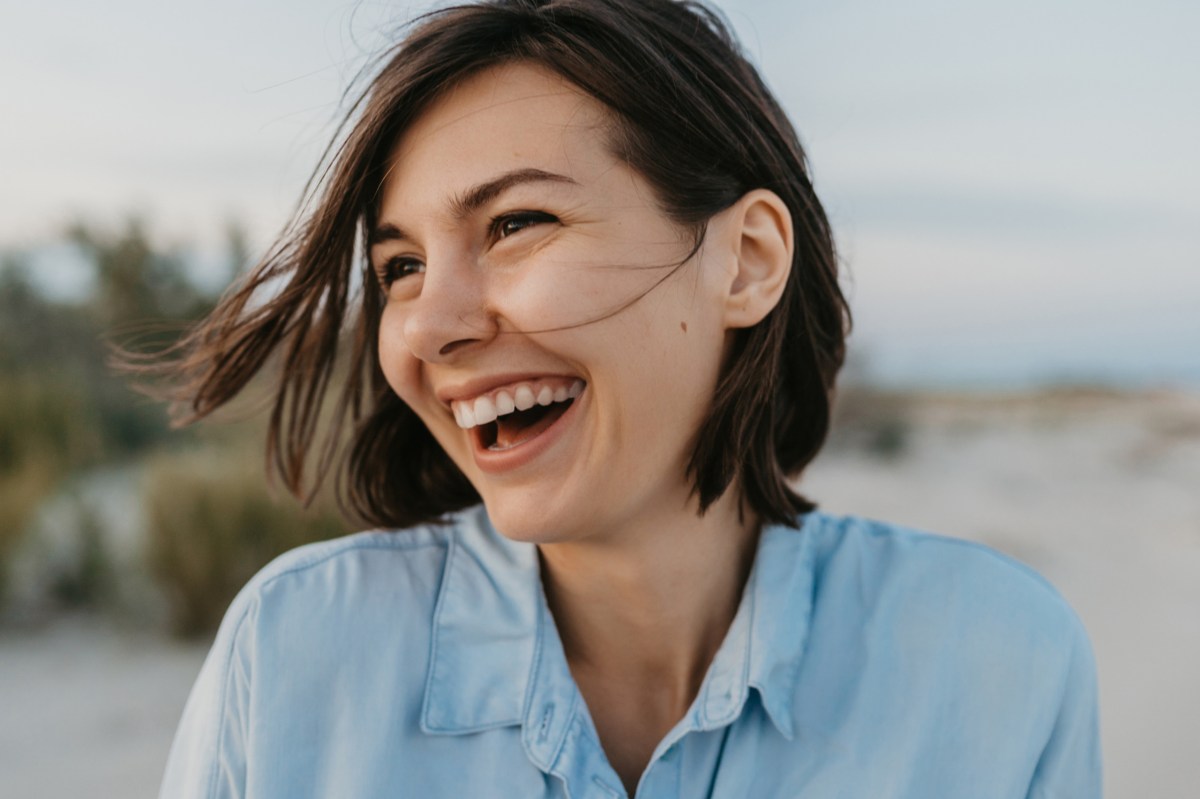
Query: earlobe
[762,238]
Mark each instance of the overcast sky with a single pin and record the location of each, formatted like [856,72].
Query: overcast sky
[1014,184]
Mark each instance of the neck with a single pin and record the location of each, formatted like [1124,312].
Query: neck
[647,606]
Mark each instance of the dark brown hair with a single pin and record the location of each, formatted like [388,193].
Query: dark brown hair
[692,116]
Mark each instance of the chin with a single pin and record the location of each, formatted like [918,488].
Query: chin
[526,522]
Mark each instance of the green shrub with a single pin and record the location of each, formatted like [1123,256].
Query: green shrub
[45,430]
[211,524]
[20,494]
[44,421]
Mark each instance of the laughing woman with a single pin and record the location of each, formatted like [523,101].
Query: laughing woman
[591,310]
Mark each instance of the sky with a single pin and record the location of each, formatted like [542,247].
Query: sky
[1013,185]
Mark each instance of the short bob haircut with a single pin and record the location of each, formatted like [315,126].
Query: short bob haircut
[689,113]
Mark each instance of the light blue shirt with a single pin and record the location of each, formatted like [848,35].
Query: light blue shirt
[864,661]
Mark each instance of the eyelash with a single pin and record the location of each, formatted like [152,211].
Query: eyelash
[394,269]
[531,218]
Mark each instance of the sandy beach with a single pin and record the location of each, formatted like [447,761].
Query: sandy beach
[1098,491]
[88,709]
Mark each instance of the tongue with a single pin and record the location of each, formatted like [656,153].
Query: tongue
[517,428]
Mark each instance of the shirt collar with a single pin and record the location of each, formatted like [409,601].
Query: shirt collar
[496,659]
[484,630]
[781,589]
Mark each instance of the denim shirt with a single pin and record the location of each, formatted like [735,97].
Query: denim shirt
[864,660]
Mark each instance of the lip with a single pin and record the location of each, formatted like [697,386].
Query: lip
[500,462]
[483,385]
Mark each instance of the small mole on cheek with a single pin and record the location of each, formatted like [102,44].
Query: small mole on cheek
[683,326]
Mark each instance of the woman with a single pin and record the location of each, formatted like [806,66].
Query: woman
[592,288]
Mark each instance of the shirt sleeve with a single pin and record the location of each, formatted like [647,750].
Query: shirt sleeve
[1069,766]
[208,755]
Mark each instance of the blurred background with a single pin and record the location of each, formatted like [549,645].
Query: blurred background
[1013,187]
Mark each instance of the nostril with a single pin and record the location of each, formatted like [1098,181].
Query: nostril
[455,345]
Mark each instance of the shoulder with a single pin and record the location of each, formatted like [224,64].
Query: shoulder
[934,633]
[350,584]
[358,611]
[342,558]
[325,633]
[923,598]
[883,562]
[346,564]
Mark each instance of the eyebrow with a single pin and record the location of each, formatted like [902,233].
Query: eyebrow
[465,204]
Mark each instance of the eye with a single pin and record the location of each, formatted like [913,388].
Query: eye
[506,225]
[397,268]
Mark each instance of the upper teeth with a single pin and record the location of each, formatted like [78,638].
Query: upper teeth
[520,397]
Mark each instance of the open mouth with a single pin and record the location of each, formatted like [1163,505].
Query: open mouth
[508,417]
[516,428]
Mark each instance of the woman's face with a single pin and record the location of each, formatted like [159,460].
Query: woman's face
[513,244]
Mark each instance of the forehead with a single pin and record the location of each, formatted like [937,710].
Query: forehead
[510,117]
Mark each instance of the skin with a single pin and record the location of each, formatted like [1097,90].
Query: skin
[537,279]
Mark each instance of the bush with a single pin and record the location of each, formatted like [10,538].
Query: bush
[211,524]
[20,494]
[45,430]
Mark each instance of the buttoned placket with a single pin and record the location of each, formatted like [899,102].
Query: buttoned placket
[720,701]
[557,730]
[561,739]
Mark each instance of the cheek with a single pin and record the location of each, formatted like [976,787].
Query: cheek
[564,293]
[395,359]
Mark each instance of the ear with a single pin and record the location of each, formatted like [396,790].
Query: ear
[760,232]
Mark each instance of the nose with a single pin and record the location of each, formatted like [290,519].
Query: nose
[450,314]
